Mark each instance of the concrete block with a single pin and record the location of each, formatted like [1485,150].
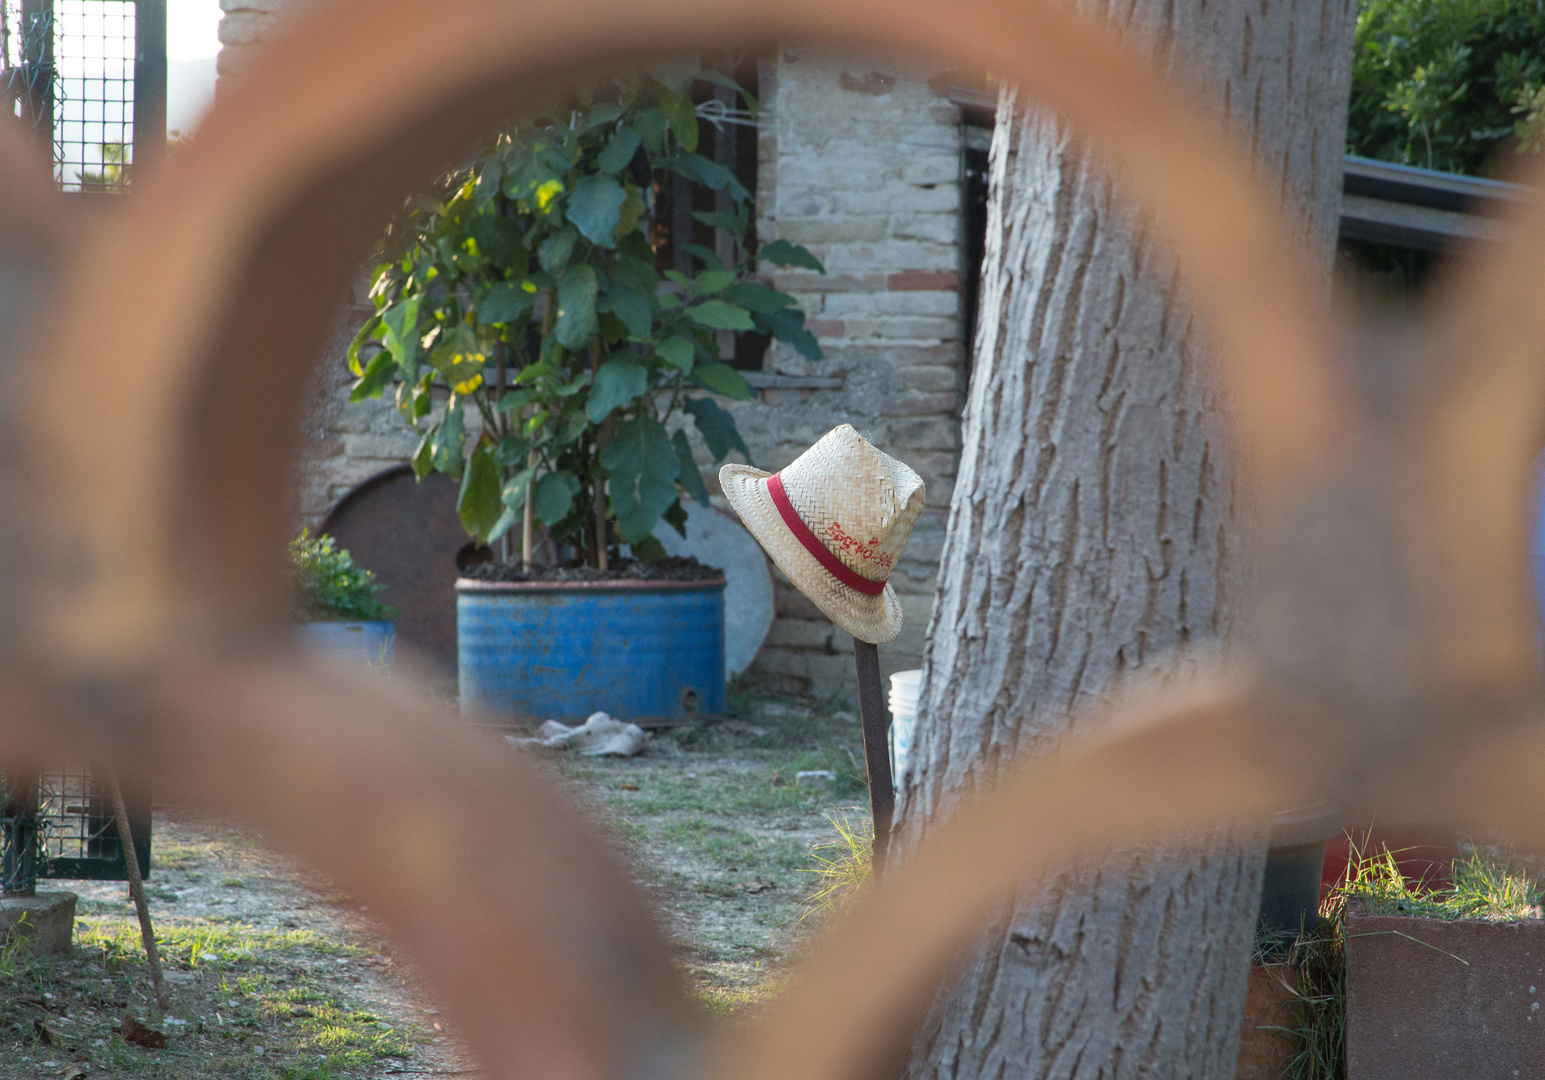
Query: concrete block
[940,228]
[1432,999]
[906,327]
[932,169]
[833,230]
[382,447]
[800,283]
[937,304]
[923,281]
[920,403]
[899,198]
[935,433]
[244,27]
[47,920]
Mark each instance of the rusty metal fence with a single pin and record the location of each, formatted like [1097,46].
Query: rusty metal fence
[143,481]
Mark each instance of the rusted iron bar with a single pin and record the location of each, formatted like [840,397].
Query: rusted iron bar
[147,931]
[877,756]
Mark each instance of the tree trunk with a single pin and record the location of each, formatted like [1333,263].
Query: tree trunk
[1093,535]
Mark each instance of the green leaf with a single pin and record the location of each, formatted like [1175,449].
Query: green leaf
[712,281]
[511,451]
[708,173]
[630,304]
[677,352]
[500,240]
[573,386]
[719,220]
[479,505]
[717,428]
[783,253]
[619,151]
[553,495]
[595,209]
[690,477]
[717,315]
[423,463]
[758,298]
[788,325]
[553,253]
[676,517]
[401,335]
[648,550]
[574,425]
[681,114]
[369,332]
[651,125]
[643,466]
[709,256]
[505,523]
[460,359]
[719,79]
[576,323]
[375,377]
[513,494]
[617,382]
[603,113]
[445,445]
[506,302]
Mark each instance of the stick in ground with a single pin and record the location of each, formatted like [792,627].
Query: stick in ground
[137,891]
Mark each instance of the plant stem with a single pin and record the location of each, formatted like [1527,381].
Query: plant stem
[502,431]
[602,438]
[528,511]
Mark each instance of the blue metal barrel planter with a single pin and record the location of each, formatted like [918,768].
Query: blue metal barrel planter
[561,650]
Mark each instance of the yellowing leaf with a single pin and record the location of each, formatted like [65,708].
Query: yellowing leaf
[548,192]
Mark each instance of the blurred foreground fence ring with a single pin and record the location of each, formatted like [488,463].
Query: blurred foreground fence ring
[147,508]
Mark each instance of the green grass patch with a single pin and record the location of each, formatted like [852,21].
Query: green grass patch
[1480,888]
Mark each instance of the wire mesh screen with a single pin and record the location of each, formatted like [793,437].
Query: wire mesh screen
[93,93]
[89,77]
[77,836]
[60,824]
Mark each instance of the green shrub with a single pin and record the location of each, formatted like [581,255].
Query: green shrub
[527,286]
[329,586]
[1444,83]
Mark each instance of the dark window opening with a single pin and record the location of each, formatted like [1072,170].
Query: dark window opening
[728,136]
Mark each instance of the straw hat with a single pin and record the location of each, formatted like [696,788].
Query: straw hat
[835,521]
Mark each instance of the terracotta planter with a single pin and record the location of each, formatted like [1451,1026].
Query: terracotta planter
[1432,999]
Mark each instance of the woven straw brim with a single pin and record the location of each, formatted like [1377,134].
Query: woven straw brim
[875,619]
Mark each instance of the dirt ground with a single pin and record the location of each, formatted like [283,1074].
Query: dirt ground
[274,977]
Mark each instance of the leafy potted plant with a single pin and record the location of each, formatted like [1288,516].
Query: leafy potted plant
[528,293]
[336,605]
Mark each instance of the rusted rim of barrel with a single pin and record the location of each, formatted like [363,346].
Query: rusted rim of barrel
[621,585]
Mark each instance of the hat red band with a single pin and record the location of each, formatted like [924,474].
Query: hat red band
[813,544]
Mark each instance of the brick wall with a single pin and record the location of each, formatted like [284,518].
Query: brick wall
[859,160]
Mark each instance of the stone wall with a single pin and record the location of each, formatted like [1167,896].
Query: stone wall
[859,160]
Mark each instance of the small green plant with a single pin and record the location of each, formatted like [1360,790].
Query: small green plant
[328,585]
[844,865]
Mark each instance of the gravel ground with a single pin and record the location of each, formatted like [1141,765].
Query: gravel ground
[275,977]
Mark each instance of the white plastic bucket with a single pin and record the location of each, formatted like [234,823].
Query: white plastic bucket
[903,704]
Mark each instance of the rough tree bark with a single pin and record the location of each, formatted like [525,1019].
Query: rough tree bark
[1093,535]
